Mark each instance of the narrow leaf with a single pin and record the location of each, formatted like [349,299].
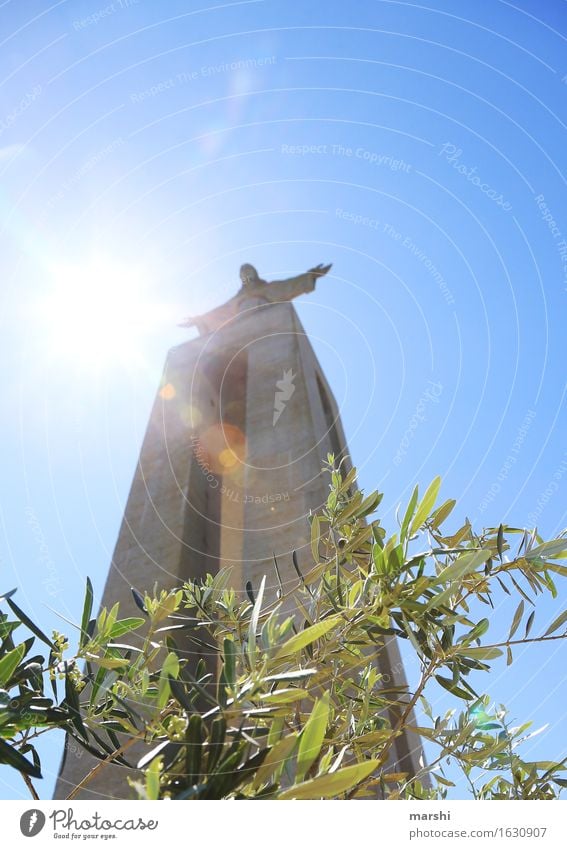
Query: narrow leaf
[500,541]
[278,576]
[426,505]
[138,600]
[443,512]
[124,626]
[250,592]
[253,627]
[229,661]
[409,513]
[312,736]
[216,742]
[153,780]
[308,636]
[10,662]
[8,595]
[11,756]
[553,548]
[449,685]
[275,759]
[557,623]
[87,610]
[194,741]
[179,693]
[315,537]
[464,565]
[479,630]
[296,567]
[29,624]
[517,619]
[331,785]
[480,652]
[529,623]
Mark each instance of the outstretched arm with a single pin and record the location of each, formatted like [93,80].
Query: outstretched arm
[286,290]
[320,270]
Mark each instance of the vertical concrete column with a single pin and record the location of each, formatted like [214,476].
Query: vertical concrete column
[229,471]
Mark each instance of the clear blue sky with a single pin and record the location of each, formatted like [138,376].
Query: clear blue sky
[148,149]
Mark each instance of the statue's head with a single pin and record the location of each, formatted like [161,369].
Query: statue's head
[249,275]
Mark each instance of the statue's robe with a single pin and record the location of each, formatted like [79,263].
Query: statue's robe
[251,296]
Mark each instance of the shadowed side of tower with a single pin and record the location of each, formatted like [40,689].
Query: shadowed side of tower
[229,472]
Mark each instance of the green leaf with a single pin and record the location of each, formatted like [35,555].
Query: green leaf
[124,626]
[275,759]
[464,565]
[229,651]
[9,594]
[73,705]
[479,630]
[298,570]
[443,512]
[287,695]
[250,592]
[170,669]
[409,513]
[500,541]
[153,774]
[194,742]
[517,619]
[440,598]
[108,661]
[315,537]
[216,741]
[331,785]
[87,610]
[529,623]
[557,568]
[138,600]
[369,505]
[426,505]
[312,736]
[253,627]
[10,662]
[411,636]
[553,548]
[178,692]
[308,636]
[442,780]
[480,652]
[11,756]
[219,584]
[348,481]
[557,623]
[449,684]
[29,624]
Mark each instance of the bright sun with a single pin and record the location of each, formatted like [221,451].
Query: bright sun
[98,312]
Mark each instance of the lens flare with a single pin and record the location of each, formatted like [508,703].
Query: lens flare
[98,312]
[225,445]
[168,392]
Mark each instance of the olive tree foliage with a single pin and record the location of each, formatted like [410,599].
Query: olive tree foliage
[235,698]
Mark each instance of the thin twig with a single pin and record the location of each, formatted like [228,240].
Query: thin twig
[30,786]
[90,775]
[542,639]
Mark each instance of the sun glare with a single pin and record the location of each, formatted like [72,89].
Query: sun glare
[97,312]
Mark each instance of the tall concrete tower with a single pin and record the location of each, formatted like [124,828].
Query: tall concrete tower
[230,467]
